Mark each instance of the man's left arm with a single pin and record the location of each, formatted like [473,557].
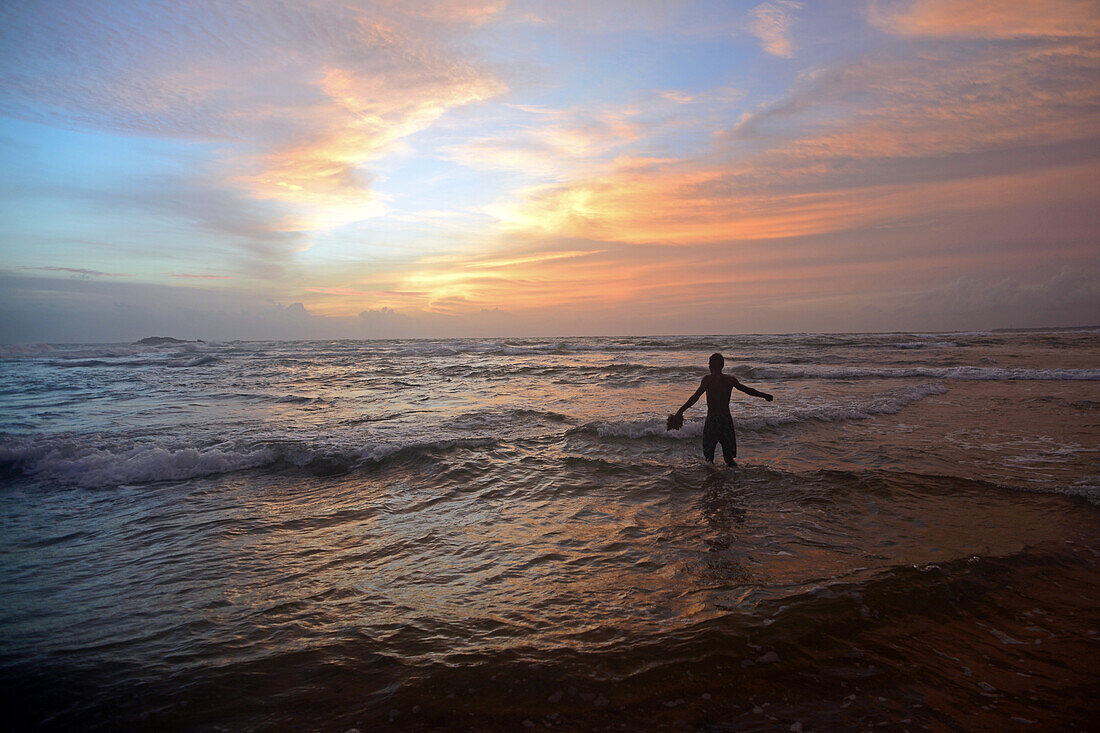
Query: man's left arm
[751,391]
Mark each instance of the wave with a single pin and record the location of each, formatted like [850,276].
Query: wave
[926,345]
[541,347]
[82,363]
[70,362]
[1087,488]
[17,351]
[481,419]
[37,351]
[887,403]
[295,399]
[971,373]
[633,373]
[74,461]
[625,373]
[201,360]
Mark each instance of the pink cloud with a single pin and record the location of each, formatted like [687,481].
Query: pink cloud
[989,18]
[771,22]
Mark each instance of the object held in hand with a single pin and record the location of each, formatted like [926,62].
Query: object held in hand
[674,422]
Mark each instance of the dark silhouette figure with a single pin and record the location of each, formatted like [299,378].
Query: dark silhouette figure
[719,425]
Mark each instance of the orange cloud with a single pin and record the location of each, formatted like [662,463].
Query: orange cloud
[879,149]
[668,205]
[560,142]
[465,282]
[989,18]
[450,11]
[366,116]
[861,145]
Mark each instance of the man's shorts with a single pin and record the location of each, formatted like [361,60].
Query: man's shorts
[719,429]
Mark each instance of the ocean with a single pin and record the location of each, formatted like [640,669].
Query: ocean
[500,534]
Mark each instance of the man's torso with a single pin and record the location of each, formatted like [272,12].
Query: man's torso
[719,389]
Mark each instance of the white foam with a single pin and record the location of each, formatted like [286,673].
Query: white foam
[200,360]
[1087,488]
[73,462]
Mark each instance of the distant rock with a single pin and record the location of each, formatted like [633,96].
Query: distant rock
[165,340]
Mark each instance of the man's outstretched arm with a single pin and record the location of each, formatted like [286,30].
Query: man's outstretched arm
[753,392]
[695,397]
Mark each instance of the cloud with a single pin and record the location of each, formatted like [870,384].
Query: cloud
[298,97]
[37,309]
[988,18]
[951,139]
[681,205]
[260,232]
[554,143]
[515,276]
[198,276]
[771,22]
[451,11]
[1067,296]
[366,115]
[946,100]
[80,271]
[675,95]
[891,137]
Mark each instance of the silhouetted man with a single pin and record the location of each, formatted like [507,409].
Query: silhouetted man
[719,425]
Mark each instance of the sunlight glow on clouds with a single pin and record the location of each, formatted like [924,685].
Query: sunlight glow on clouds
[465,166]
[297,98]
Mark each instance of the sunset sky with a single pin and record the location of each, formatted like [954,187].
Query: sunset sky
[337,168]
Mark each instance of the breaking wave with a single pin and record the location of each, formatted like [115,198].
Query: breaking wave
[73,461]
[201,360]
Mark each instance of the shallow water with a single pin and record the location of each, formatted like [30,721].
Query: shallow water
[478,534]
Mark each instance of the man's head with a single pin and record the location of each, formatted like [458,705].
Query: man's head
[717,361]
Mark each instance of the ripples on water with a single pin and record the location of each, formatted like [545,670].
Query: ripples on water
[501,535]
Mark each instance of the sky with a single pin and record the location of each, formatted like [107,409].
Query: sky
[266,169]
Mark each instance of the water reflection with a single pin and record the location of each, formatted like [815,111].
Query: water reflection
[724,514]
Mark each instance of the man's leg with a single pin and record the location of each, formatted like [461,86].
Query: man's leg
[729,445]
[710,441]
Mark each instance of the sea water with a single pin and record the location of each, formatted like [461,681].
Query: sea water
[501,535]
